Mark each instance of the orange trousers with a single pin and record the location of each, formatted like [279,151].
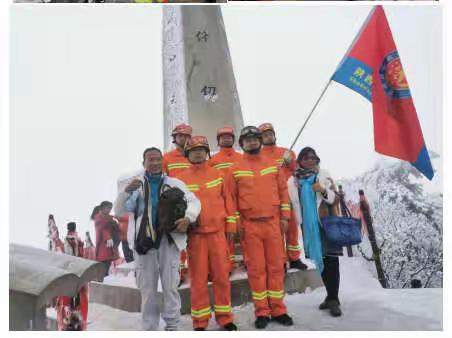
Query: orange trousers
[292,245]
[265,262]
[231,246]
[208,253]
[183,266]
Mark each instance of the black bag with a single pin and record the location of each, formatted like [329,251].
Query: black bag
[172,206]
[115,233]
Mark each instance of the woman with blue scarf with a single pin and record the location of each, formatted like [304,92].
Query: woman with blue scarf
[312,194]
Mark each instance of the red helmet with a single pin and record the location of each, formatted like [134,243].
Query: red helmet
[266,126]
[182,128]
[196,142]
[225,130]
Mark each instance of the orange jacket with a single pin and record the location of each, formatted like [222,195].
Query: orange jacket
[224,159]
[174,163]
[276,154]
[217,207]
[258,187]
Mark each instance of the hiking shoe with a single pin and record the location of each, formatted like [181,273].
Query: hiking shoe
[230,327]
[284,319]
[324,305]
[200,329]
[170,328]
[298,264]
[261,322]
[335,309]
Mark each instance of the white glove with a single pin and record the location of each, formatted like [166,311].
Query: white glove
[287,158]
[109,243]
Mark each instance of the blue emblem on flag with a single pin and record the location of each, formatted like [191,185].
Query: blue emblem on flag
[393,78]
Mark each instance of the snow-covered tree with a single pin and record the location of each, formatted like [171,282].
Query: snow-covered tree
[407,222]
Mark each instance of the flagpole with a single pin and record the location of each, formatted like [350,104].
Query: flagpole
[310,114]
[331,79]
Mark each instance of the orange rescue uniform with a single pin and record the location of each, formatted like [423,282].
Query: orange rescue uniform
[276,154]
[207,246]
[261,197]
[223,160]
[174,163]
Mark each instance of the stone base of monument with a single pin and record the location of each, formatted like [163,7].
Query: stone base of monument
[121,292]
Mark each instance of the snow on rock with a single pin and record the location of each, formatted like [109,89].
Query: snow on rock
[365,304]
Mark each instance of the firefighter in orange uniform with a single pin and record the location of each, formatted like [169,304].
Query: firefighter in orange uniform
[260,193]
[223,160]
[174,163]
[207,245]
[288,164]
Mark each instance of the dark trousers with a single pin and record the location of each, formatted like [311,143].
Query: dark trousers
[107,266]
[331,277]
[128,254]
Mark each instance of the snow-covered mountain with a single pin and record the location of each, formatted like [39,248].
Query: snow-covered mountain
[407,219]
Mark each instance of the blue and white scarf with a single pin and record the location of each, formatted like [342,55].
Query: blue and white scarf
[311,228]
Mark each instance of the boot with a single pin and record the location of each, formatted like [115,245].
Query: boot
[335,309]
[261,322]
[324,305]
[230,327]
[284,319]
[298,264]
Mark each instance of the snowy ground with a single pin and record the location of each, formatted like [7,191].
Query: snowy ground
[366,306]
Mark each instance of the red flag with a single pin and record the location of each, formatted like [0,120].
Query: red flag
[372,68]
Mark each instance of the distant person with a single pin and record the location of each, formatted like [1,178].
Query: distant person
[55,243]
[156,252]
[72,312]
[89,250]
[311,190]
[106,252]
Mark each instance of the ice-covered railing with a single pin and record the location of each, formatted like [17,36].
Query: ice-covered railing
[36,276]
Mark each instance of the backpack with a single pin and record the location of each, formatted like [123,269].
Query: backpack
[172,206]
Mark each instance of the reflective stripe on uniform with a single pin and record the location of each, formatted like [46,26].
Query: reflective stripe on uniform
[223,165]
[214,183]
[276,294]
[178,166]
[231,219]
[223,308]
[193,187]
[243,173]
[285,206]
[259,295]
[201,313]
[269,170]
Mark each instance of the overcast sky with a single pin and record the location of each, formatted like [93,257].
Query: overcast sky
[86,95]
